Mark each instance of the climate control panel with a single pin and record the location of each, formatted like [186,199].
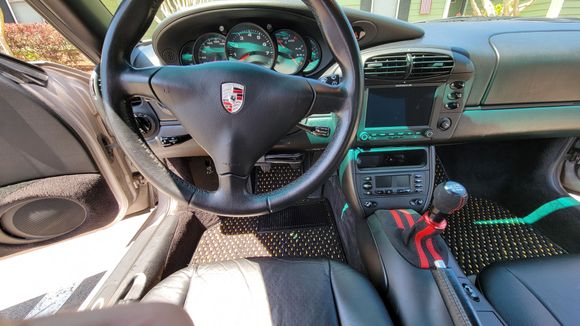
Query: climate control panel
[392,185]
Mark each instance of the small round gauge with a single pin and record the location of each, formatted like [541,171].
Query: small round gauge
[314,56]
[248,42]
[186,55]
[210,47]
[292,52]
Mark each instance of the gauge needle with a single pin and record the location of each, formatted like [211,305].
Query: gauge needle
[244,57]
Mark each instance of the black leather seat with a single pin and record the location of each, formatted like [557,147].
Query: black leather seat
[535,292]
[273,292]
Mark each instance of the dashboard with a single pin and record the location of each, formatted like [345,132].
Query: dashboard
[427,83]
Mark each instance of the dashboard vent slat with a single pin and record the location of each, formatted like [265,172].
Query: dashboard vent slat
[391,67]
[430,65]
[411,65]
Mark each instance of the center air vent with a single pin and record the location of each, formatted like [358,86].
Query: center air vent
[408,66]
[425,65]
[395,66]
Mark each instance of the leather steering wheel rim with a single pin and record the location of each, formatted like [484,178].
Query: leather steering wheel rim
[181,89]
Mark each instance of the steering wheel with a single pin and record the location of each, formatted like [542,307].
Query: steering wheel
[235,111]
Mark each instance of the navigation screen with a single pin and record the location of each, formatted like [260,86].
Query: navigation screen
[399,106]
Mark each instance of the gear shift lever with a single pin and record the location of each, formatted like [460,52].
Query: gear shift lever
[448,198]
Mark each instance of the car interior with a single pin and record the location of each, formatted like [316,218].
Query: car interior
[305,163]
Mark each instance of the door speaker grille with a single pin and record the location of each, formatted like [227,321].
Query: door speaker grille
[44,218]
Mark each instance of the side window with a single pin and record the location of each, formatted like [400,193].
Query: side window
[26,36]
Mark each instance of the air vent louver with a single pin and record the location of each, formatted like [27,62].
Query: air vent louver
[403,66]
[430,65]
[394,66]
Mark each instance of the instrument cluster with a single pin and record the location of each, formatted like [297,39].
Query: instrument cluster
[283,50]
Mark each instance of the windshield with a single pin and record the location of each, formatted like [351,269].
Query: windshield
[416,10]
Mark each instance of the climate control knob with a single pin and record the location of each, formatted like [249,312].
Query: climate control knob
[444,124]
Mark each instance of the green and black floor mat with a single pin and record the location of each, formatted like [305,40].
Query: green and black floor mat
[477,241]
[305,230]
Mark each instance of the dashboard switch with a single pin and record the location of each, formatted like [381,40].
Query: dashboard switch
[444,124]
[457,84]
[367,186]
[451,105]
[454,95]
[174,140]
[370,204]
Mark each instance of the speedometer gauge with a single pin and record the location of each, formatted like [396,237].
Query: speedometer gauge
[315,55]
[292,52]
[210,47]
[248,42]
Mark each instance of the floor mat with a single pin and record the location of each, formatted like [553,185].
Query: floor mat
[478,245]
[276,176]
[284,234]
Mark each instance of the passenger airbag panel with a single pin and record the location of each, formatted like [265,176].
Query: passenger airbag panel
[535,67]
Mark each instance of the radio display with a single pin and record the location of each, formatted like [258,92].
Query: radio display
[399,106]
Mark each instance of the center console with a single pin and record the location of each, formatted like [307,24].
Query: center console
[390,177]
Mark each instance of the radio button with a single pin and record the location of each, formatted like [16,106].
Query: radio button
[457,84]
[388,191]
[451,105]
[428,133]
[367,186]
[379,192]
[364,136]
[454,95]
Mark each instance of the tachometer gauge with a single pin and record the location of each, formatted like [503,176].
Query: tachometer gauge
[314,57]
[210,47]
[248,42]
[292,52]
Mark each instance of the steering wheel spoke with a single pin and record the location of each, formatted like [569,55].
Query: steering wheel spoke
[327,98]
[137,82]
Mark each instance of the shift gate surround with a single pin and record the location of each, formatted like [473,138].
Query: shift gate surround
[193,92]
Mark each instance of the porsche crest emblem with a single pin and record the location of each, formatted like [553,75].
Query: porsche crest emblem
[233,96]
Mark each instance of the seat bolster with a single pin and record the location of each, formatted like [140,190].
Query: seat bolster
[172,290]
[357,301]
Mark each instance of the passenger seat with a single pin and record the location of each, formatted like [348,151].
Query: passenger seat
[544,291]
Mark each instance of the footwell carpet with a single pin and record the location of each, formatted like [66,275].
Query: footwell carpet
[476,246]
[305,230]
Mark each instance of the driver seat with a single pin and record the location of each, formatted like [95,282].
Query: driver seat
[273,291]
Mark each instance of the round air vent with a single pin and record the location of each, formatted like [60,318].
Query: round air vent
[42,219]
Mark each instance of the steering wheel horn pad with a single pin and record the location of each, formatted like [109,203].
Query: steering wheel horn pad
[235,111]
[235,141]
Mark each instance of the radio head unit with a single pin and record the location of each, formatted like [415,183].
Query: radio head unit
[398,112]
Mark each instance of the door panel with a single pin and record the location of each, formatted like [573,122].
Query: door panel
[59,175]
[34,143]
